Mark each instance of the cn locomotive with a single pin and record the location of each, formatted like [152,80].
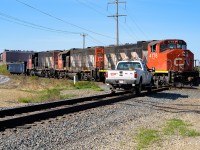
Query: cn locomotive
[172,61]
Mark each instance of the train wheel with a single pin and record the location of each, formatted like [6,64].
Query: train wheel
[157,84]
[32,73]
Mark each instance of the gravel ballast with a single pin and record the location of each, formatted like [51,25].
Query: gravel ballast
[112,126]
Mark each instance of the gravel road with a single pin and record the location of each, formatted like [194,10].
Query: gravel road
[113,126]
[4,79]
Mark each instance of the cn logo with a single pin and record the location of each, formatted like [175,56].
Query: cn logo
[179,62]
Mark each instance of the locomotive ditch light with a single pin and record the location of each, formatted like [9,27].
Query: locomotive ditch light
[152,70]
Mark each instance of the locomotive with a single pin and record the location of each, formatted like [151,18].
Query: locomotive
[172,61]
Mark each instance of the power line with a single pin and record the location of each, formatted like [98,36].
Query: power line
[96,41]
[88,6]
[47,14]
[139,28]
[91,5]
[15,20]
[29,24]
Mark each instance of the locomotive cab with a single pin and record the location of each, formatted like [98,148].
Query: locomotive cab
[172,61]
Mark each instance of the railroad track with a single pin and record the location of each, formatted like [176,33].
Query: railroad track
[11,118]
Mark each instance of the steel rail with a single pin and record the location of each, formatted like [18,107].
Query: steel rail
[92,102]
[37,107]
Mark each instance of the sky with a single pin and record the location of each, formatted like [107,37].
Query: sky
[42,25]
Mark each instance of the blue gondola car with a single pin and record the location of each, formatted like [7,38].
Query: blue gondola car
[17,68]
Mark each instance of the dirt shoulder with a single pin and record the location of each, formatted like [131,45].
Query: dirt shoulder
[9,97]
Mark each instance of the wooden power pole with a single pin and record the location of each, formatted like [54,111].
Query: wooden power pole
[84,35]
[117,16]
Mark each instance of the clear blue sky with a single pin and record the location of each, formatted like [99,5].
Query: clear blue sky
[57,24]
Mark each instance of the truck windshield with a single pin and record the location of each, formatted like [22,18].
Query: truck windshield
[128,66]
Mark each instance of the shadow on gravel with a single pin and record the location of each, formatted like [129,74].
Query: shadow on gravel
[167,96]
[177,109]
[165,107]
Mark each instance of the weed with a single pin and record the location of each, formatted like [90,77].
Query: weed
[33,78]
[4,70]
[49,89]
[177,126]
[87,85]
[46,95]
[145,137]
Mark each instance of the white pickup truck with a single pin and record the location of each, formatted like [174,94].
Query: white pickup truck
[129,75]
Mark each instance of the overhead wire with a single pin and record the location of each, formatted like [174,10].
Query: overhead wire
[29,24]
[89,6]
[133,35]
[93,7]
[48,14]
[8,20]
[96,41]
[136,24]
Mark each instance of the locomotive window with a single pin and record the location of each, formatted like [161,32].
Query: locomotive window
[171,46]
[153,48]
[179,46]
[163,47]
[184,47]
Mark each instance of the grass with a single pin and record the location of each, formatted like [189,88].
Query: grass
[145,137]
[177,126]
[46,95]
[87,85]
[50,89]
[3,70]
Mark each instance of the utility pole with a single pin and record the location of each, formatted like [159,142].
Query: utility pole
[117,16]
[84,35]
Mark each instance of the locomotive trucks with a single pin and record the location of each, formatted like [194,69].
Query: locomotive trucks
[130,75]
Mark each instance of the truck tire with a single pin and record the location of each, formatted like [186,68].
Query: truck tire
[139,88]
[149,88]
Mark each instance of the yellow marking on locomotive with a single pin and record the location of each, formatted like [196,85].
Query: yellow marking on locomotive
[161,71]
[102,70]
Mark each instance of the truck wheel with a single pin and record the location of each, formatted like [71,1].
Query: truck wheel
[149,88]
[139,88]
[132,91]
